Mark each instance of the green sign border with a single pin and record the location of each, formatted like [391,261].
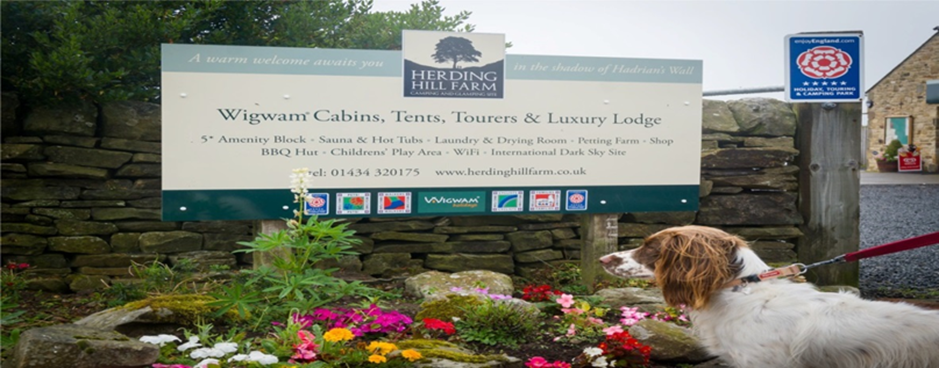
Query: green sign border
[269,204]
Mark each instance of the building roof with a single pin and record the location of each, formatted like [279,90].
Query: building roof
[904,60]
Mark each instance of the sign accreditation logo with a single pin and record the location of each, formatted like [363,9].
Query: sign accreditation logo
[451,202]
[824,67]
[453,65]
[508,201]
[398,202]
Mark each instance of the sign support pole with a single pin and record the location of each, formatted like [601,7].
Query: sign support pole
[599,233]
[267,258]
[829,188]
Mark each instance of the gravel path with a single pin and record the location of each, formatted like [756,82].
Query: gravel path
[895,212]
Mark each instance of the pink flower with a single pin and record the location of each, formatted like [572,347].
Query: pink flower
[612,330]
[539,362]
[574,311]
[566,300]
[631,316]
[305,351]
[536,362]
[572,330]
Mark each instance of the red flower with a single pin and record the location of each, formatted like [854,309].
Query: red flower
[23,266]
[436,324]
[624,347]
[538,293]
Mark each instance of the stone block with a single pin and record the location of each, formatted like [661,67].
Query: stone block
[22,244]
[501,263]
[79,244]
[75,119]
[73,227]
[131,120]
[71,345]
[530,240]
[170,242]
[65,170]
[87,156]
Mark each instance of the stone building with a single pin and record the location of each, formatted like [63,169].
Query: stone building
[897,106]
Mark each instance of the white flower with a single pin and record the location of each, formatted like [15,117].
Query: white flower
[205,363]
[600,362]
[261,358]
[299,181]
[206,353]
[593,352]
[161,339]
[255,356]
[193,343]
[227,347]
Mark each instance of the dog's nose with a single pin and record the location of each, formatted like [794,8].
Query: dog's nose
[607,258]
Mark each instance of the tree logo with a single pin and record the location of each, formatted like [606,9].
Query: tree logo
[456,49]
[473,64]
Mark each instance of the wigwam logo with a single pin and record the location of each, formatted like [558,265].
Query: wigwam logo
[473,64]
[436,202]
[448,200]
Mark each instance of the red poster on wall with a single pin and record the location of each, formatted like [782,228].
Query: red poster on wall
[908,159]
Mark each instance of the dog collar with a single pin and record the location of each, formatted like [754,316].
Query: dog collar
[774,273]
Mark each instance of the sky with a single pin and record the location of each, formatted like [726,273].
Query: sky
[740,42]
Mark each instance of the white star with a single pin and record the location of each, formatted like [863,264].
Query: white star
[824,83]
[814,83]
[805,83]
[844,83]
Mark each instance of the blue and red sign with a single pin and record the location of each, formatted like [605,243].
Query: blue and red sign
[824,67]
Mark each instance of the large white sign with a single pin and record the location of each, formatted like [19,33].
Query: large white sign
[239,119]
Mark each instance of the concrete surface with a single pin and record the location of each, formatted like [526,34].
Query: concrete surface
[911,178]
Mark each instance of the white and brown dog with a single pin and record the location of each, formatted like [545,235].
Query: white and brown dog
[776,322]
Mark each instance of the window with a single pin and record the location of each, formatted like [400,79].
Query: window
[900,128]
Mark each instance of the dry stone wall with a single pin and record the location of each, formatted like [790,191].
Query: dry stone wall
[81,202]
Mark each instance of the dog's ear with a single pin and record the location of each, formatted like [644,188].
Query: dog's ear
[694,263]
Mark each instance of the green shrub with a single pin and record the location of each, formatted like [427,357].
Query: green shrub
[497,323]
[890,154]
[447,309]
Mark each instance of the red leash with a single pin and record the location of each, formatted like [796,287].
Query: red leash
[897,246]
[798,268]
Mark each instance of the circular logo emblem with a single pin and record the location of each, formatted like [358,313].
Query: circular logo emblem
[824,62]
[317,202]
[577,198]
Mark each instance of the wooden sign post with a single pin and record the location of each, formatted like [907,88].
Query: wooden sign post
[599,233]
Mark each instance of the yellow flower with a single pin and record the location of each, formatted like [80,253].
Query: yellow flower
[377,359]
[411,355]
[382,348]
[338,334]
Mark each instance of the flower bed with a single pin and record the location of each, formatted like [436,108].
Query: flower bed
[290,314]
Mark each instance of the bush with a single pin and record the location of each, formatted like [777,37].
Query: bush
[497,323]
[890,154]
[446,309]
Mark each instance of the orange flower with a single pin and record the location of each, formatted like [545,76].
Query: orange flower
[411,355]
[377,359]
[338,334]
